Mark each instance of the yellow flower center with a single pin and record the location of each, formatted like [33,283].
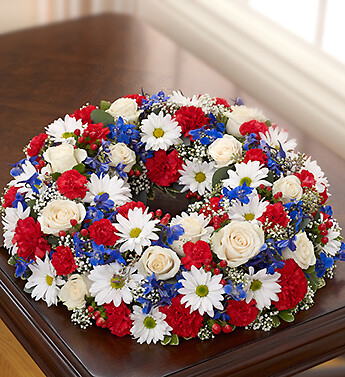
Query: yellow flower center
[149,323]
[201,290]
[200,177]
[158,132]
[49,280]
[246,180]
[256,285]
[135,233]
[249,216]
[117,282]
[101,193]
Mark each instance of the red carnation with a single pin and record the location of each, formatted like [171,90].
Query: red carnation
[63,261]
[123,210]
[241,313]
[84,114]
[138,98]
[162,168]
[222,101]
[275,214]
[253,127]
[183,322]
[294,285]
[36,145]
[94,132]
[103,232]
[29,239]
[118,320]
[190,118]
[307,179]
[324,196]
[255,155]
[72,184]
[10,196]
[196,254]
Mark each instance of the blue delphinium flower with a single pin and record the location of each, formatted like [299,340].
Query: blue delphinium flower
[19,198]
[240,192]
[21,266]
[123,133]
[323,263]
[235,291]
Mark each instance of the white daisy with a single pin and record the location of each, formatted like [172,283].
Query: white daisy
[21,180]
[160,131]
[44,281]
[9,221]
[252,173]
[333,244]
[201,291]
[137,230]
[275,135]
[61,130]
[149,327]
[197,176]
[117,189]
[262,287]
[248,212]
[179,99]
[113,283]
[319,175]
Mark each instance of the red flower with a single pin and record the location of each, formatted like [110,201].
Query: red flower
[103,232]
[211,211]
[118,320]
[183,322]
[138,98]
[10,196]
[63,261]
[123,210]
[196,254]
[94,132]
[190,118]
[162,168]
[241,313]
[253,126]
[36,145]
[256,155]
[222,101]
[324,196]
[29,239]
[84,114]
[294,285]
[72,184]
[275,214]
[307,179]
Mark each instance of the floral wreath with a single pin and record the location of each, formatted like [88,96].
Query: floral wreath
[250,249]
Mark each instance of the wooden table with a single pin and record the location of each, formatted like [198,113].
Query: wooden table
[50,71]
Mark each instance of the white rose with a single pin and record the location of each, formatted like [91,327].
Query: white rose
[163,262]
[224,149]
[240,115]
[120,153]
[72,294]
[124,107]
[304,254]
[57,215]
[64,157]
[289,186]
[238,242]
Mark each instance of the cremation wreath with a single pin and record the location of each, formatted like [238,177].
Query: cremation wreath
[251,247]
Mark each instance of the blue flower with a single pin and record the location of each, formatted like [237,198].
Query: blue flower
[19,199]
[21,266]
[140,150]
[123,133]
[156,98]
[240,192]
[323,263]
[103,202]
[94,214]
[236,292]
[174,232]
[96,254]
[250,141]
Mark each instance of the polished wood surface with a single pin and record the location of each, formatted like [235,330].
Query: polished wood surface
[50,71]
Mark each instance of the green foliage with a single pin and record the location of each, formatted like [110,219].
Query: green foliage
[100,116]
[219,175]
[104,105]
[286,315]
[172,340]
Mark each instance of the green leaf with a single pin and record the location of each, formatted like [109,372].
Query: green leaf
[219,175]
[176,187]
[140,197]
[100,116]
[56,175]
[304,223]
[28,290]
[186,141]
[166,340]
[286,315]
[276,321]
[80,168]
[270,177]
[268,123]
[310,270]
[11,261]
[105,105]
[174,340]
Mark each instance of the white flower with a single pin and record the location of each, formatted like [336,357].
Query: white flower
[201,291]
[44,281]
[304,254]
[160,131]
[252,173]
[195,228]
[248,212]
[73,293]
[275,135]
[149,327]
[162,262]
[20,180]
[333,244]
[238,242]
[63,157]
[319,175]
[117,189]
[137,230]
[197,176]
[223,150]
[179,99]
[120,153]
[113,283]
[61,130]
[239,115]
[262,287]
[9,222]
[289,186]
[126,108]
[57,215]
